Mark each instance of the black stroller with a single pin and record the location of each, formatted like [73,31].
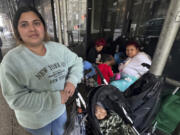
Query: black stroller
[137,106]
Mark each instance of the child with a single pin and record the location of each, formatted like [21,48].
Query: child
[133,68]
[94,53]
[110,123]
[105,68]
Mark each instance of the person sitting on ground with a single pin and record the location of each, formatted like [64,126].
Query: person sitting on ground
[110,122]
[94,53]
[137,64]
[105,68]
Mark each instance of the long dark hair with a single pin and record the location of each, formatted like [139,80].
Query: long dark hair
[17,17]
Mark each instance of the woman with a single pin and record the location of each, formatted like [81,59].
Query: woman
[137,64]
[94,53]
[38,76]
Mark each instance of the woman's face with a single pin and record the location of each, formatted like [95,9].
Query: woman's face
[99,48]
[131,51]
[31,29]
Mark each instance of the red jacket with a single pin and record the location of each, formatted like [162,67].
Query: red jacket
[106,72]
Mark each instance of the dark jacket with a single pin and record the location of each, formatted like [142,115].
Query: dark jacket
[92,55]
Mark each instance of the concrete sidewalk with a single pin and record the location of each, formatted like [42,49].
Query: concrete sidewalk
[8,45]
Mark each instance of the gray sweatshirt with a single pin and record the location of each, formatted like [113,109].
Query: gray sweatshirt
[31,84]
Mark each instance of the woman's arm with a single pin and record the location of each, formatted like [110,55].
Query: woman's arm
[75,71]
[21,98]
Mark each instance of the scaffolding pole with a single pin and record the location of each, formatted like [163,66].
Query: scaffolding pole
[167,37]
[57,3]
[65,22]
[54,20]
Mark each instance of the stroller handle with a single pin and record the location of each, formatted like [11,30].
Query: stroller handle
[100,74]
[80,98]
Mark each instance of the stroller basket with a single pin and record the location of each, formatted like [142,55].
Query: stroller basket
[77,122]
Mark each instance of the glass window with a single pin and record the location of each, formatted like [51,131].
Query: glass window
[76,17]
[173,64]
[46,11]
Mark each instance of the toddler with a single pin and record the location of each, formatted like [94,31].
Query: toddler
[105,68]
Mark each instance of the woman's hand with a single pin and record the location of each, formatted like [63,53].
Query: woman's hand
[64,97]
[69,89]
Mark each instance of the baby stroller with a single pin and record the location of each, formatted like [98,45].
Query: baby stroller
[137,106]
[78,124]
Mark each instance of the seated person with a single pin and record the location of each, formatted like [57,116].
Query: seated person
[105,68]
[110,123]
[137,64]
[93,55]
